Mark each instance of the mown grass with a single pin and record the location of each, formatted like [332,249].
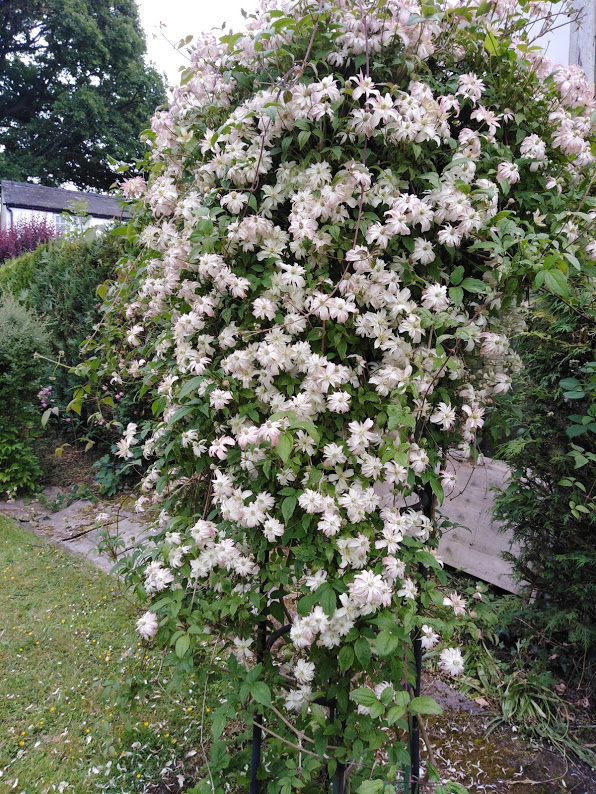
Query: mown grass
[66,628]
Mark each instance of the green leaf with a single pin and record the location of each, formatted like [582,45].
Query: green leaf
[457,275]
[288,506]
[556,282]
[457,295]
[575,430]
[473,285]
[427,559]
[451,788]
[303,138]
[219,723]
[182,412]
[491,44]
[310,428]
[569,383]
[182,645]
[395,713]
[306,603]
[371,787]
[190,386]
[364,697]
[432,773]
[386,643]
[425,705]
[284,446]
[387,695]
[435,485]
[345,658]
[363,652]
[328,600]
[261,693]
[319,713]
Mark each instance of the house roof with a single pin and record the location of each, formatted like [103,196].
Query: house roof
[25,195]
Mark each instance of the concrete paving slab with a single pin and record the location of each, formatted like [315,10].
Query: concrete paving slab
[74,526]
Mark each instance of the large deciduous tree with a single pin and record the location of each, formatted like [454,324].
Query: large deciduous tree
[74,89]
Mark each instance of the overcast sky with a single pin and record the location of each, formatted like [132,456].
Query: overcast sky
[176,19]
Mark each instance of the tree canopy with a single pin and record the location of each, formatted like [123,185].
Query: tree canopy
[74,89]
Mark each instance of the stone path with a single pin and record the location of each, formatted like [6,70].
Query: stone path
[74,526]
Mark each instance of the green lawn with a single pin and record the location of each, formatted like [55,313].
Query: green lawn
[65,628]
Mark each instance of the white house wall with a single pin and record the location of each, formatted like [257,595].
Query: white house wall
[19,214]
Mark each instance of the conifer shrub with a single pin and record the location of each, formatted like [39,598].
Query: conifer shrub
[550,501]
[59,281]
[22,336]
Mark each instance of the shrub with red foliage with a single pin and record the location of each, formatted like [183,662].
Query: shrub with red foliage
[24,235]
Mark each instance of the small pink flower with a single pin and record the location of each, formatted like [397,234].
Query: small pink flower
[147,625]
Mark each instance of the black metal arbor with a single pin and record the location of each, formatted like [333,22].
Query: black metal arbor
[339,782]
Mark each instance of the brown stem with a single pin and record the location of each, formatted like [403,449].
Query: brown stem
[285,741]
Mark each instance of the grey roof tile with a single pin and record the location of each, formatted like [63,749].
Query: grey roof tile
[25,195]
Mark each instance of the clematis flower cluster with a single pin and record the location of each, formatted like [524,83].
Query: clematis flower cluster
[333,262]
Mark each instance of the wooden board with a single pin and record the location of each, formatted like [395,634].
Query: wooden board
[476,546]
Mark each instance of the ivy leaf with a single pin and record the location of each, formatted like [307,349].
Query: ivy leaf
[425,705]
